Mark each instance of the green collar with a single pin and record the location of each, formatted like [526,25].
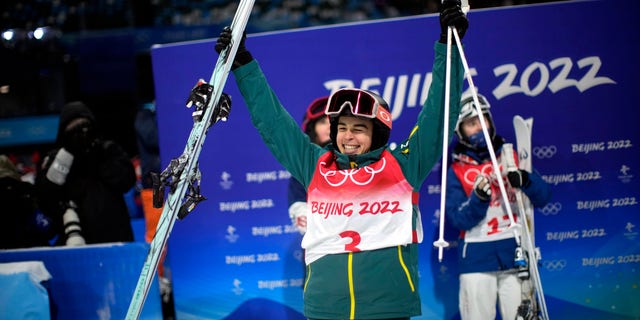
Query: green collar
[348,162]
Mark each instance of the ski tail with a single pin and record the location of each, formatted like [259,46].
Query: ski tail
[183,171]
[523,129]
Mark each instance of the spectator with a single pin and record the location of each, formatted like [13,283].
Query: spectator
[88,175]
[23,225]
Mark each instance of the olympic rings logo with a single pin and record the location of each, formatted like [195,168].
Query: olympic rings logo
[350,174]
[551,208]
[471,174]
[554,265]
[545,152]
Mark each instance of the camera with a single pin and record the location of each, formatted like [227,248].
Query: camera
[72,227]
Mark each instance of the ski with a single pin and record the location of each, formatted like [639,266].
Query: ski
[526,259]
[523,128]
[182,174]
[534,304]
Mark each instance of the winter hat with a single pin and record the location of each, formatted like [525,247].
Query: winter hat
[70,112]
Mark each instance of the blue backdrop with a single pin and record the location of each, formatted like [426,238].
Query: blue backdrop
[572,66]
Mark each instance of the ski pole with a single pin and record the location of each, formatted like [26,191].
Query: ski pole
[496,168]
[441,243]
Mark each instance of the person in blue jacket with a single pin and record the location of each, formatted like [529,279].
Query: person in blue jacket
[474,205]
[363,225]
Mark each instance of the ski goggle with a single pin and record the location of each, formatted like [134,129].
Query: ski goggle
[468,107]
[314,111]
[361,103]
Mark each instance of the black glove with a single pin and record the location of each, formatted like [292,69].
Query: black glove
[201,95]
[242,55]
[482,187]
[222,110]
[451,15]
[518,178]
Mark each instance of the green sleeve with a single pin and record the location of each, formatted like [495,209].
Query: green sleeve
[423,148]
[279,131]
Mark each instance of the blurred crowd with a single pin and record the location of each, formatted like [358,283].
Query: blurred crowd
[83,15]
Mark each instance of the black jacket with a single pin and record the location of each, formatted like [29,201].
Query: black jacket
[23,225]
[96,183]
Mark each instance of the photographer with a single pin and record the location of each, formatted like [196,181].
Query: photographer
[88,176]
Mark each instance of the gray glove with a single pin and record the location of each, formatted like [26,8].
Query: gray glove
[482,187]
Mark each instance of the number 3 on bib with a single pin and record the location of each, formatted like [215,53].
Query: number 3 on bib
[355,240]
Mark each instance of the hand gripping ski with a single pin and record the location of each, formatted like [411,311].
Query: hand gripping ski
[182,174]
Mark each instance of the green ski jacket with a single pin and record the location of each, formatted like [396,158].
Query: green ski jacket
[375,284]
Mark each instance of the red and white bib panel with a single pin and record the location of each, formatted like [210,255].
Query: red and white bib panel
[358,209]
[495,225]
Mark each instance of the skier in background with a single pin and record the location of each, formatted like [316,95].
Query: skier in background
[474,205]
[315,124]
[360,264]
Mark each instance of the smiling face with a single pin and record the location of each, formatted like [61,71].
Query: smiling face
[354,135]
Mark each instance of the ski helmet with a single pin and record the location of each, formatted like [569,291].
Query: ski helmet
[467,111]
[315,111]
[361,103]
